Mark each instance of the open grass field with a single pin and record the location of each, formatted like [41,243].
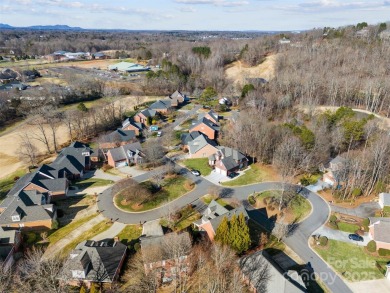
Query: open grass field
[352,261]
[171,188]
[255,174]
[202,165]
[96,230]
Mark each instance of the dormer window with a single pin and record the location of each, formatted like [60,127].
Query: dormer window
[15,218]
[85,154]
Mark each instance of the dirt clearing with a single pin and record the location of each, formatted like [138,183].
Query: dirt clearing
[238,72]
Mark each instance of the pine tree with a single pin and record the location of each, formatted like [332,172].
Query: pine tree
[234,237]
[222,233]
[244,236]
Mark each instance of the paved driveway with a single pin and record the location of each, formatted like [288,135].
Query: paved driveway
[365,210]
[215,177]
[341,236]
[372,286]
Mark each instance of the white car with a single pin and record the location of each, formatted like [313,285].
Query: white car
[159,134]
[195,172]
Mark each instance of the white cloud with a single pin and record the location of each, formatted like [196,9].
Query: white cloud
[333,5]
[223,3]
[187,9]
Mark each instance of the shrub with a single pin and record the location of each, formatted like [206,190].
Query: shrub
[333,225]
[251,200]
[137,246]
[384,252]
[308,180]
[323,240]
[333,219]
[371,246]
[357,192]
[16,178]
[54,225]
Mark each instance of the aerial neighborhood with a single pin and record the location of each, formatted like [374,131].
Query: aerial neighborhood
[181,161]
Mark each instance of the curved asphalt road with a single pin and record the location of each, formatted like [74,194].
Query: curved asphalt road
[297,239]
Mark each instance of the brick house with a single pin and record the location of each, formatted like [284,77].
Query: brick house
[125,155]
[213,216]
[161,106]
[94,262]
[143,116]
[27,210]
[206,127]
[130,124]
[177,98]
[201,147]
[379,231]
[10,241]
[210,115]
[156,249]
[117,138]
[227,160]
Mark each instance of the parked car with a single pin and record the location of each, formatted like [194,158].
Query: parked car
[232,174]
[355,237]
[159,134]
[195,172]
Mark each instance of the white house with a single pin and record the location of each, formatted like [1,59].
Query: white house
[384,199]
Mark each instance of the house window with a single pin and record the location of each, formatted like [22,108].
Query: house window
[15,218]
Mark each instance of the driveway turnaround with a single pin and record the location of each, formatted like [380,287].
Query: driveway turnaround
[341,236]
[297,239]
[365,210]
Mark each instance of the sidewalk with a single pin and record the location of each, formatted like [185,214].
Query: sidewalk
[114,230]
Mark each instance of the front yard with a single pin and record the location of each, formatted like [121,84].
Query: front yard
[255,174]
[92,182]
[202,165]
[171,188]
[297,209]
[353,262]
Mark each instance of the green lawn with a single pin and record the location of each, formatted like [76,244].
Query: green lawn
[347,227]
[130,234]
[95,230]
[202,165]
[92,182]
[352,261]
[8,182]
[255,174]
[386,211]
[171,188]
[300,207]
[63,231]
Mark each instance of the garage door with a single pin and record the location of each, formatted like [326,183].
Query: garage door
[120,164]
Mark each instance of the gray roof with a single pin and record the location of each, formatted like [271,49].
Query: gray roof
[337,160]
[148,112]
[161,104]
[199,143]
[212,113]
[260,264]
[229,152]
[231,158]
[213,210]
[119,135]
[152,228]
[27,212]
[100,260]
[385,198]
[123,152]
[207,122]
[187,137]
[381,229]
[237,211]
[130,121]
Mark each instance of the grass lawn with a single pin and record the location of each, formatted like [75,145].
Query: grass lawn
[8,182]
[171,188]
[208,198]
[130,234]
[257,173]
[202,165]
[352,261]
[347,227]
[63,231]
[93,182]
[187,221]
[95,230]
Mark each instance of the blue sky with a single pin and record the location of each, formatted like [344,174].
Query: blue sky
[194,14]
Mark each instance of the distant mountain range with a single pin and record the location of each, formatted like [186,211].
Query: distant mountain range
[42,27]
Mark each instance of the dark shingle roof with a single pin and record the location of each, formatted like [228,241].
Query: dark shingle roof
[99,259]
[148,112]
[207,122]
[187,137]
[267,276]
[237,211]
[122,152]
[199,143]
[129,121]
[119,135]
[161,105]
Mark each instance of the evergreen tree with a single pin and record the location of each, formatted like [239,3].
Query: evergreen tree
[244,236]
[222,233]
[234,233]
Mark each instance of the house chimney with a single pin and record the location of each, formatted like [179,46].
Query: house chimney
[116,239]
